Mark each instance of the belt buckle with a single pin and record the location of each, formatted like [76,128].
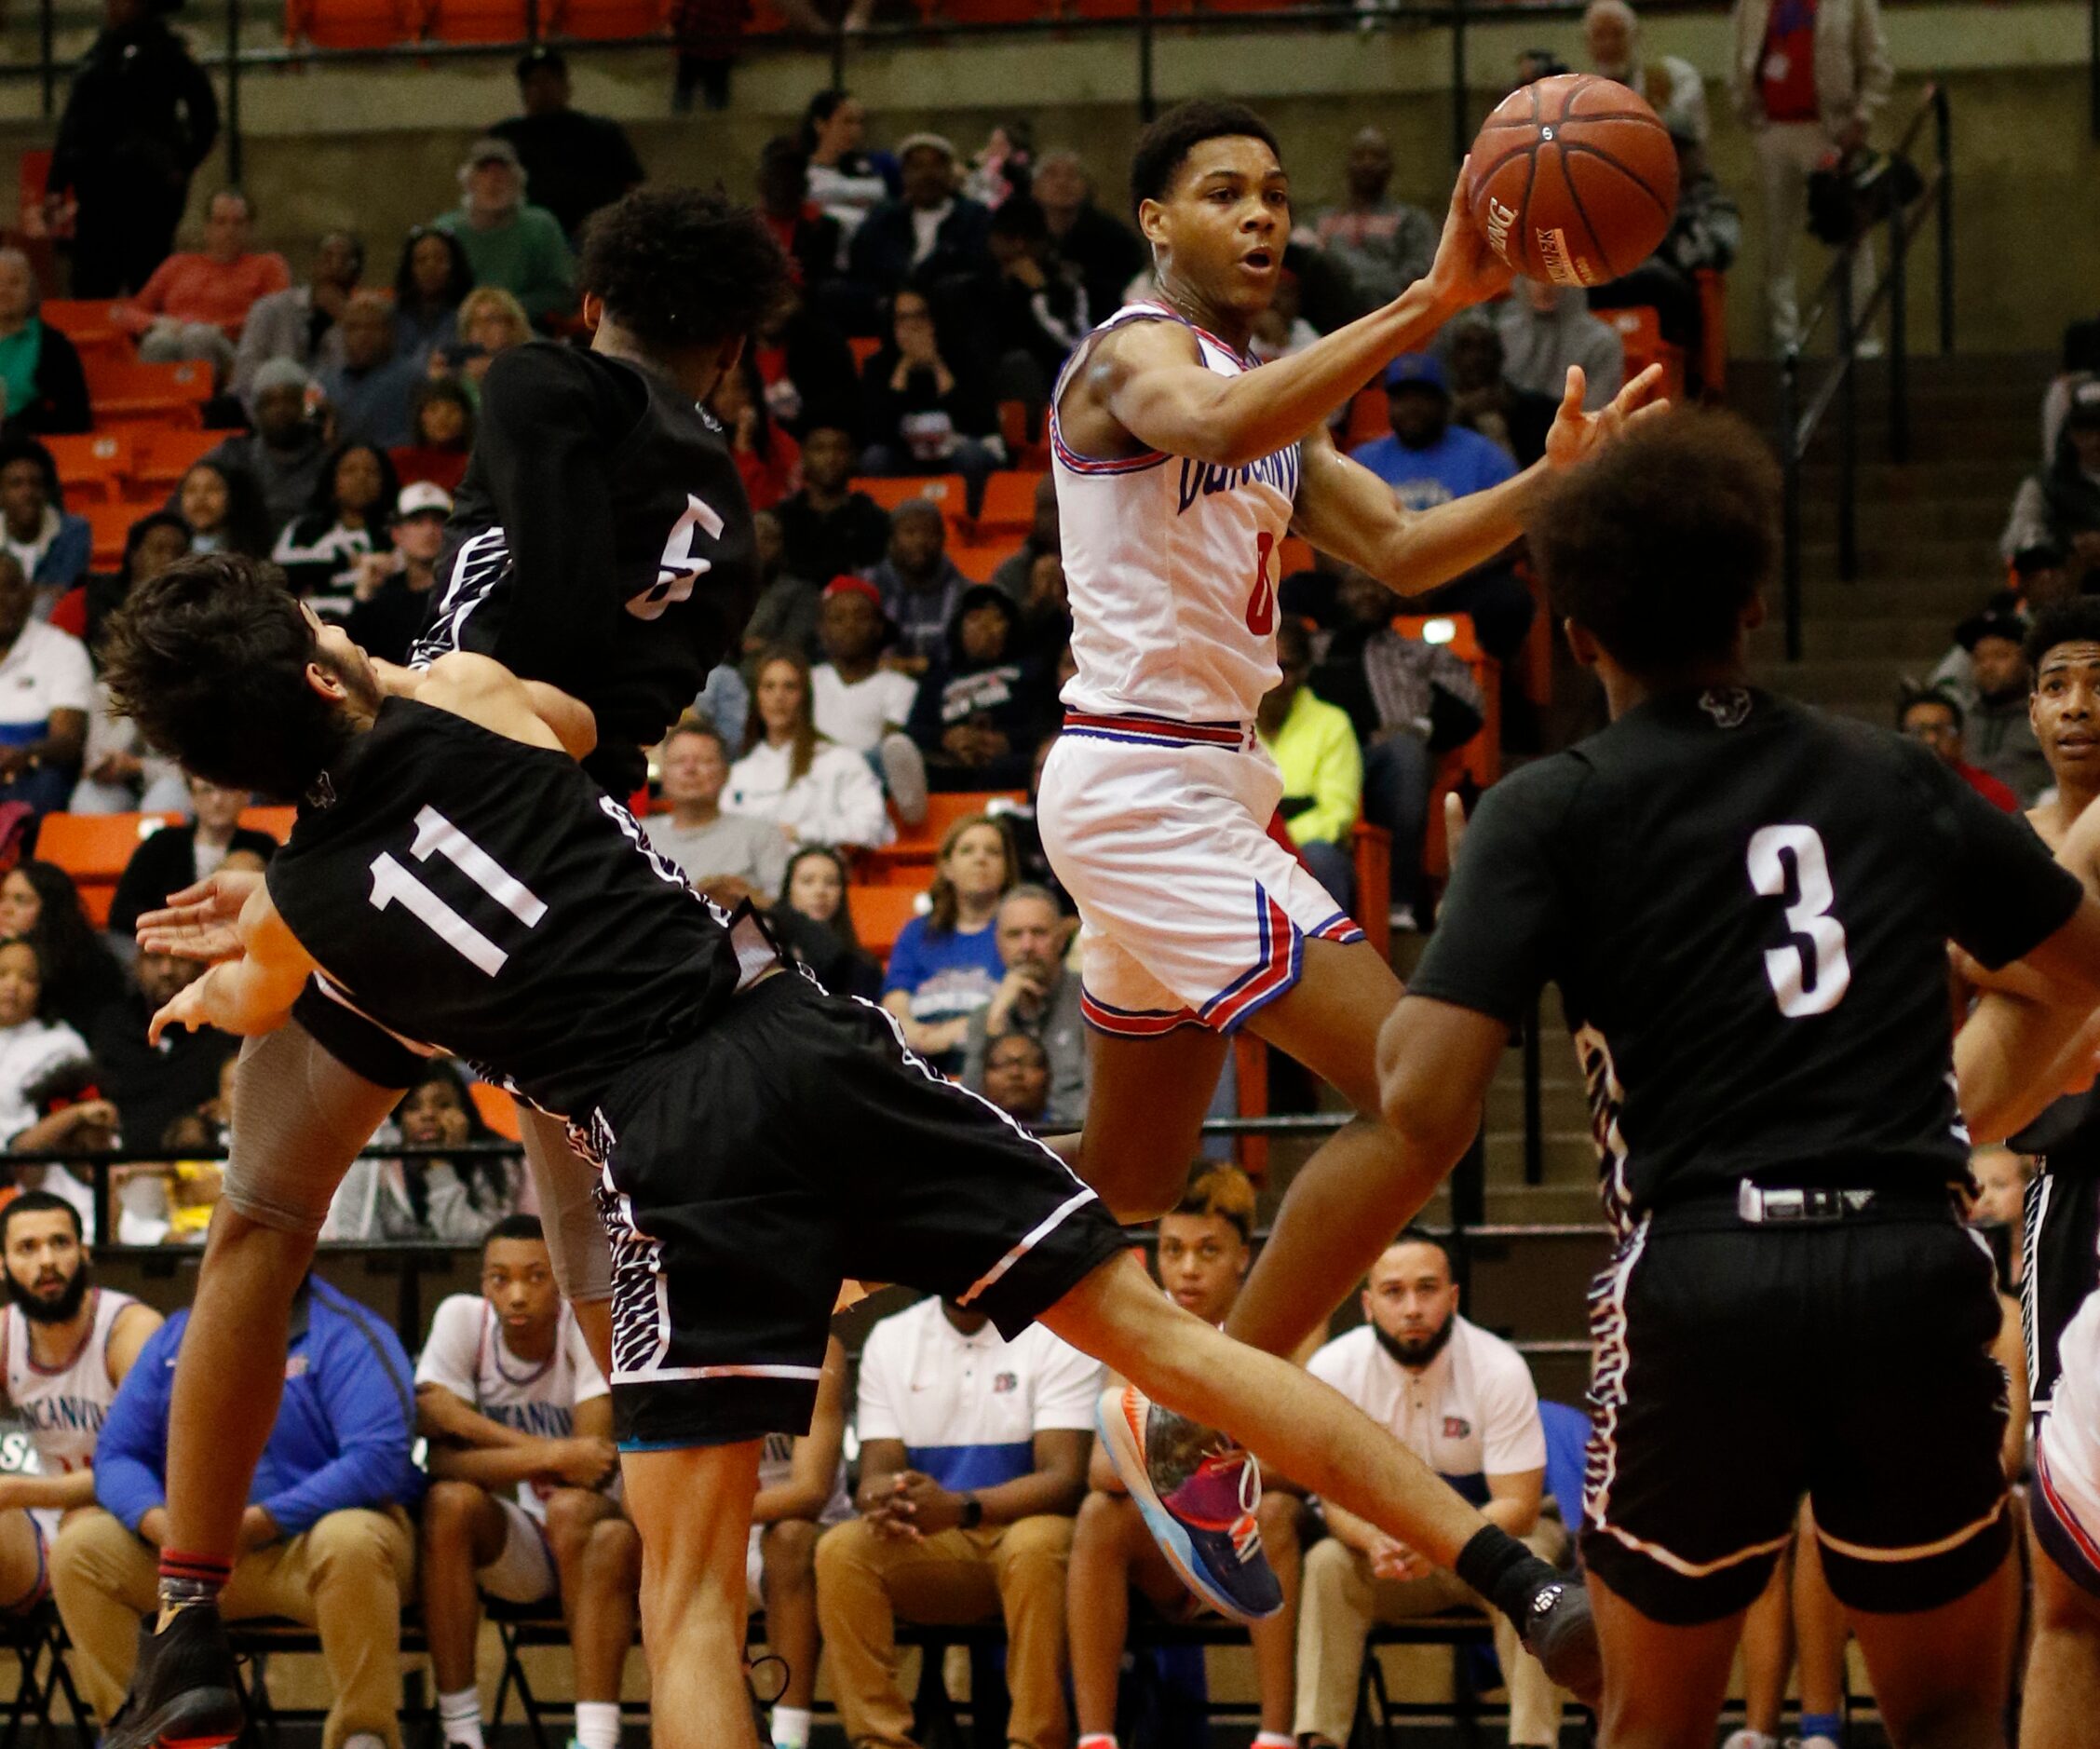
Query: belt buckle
[1816,1204]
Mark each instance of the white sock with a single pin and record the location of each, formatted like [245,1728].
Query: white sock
[459,1717]
[1276,1739]
[1751,1740]
[598,1723]
[791,1728]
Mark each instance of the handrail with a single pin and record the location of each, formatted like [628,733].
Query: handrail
[1798,423]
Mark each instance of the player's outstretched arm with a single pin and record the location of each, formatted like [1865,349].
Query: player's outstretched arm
[1149,378]
[1346,510]
[253,994]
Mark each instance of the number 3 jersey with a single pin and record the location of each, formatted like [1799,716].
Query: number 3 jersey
[600,541]
[1746,906]
[473,894]
[1171,565]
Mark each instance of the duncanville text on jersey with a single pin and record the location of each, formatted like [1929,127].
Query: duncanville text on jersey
[1199,479]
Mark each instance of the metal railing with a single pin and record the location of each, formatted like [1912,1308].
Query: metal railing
[1800,417]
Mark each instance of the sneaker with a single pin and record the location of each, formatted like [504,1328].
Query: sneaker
[1558,1631]
[903,775]
[1751,1740]
[183,1693]
[1400,920]
[1198,1493]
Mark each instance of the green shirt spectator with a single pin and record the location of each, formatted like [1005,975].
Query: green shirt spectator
[508,241]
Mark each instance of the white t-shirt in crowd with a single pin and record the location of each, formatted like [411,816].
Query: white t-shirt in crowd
[968,1408]
[1471,1413]
[27,1052]
[837,801]
[467,1356]
[855,715]
[47,670]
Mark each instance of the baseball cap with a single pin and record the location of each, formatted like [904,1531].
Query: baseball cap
[1417,368]
[850,585]
[490,150]
[542,54]
[422,497]
[910,143]
[1993,622]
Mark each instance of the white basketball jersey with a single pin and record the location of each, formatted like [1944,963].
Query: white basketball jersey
[1172,566]
[64,1406]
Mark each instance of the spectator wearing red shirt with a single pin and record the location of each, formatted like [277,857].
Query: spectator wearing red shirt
[1935,718]
[1806,76]
[197,302]
[769,460]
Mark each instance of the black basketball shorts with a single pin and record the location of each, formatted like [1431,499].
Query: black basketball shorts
[794,1145]
[1740,1367]
[2062,1239]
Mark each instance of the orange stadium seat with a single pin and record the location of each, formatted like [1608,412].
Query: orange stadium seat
[594,18]
[947,493]
[1009,506]
[347,23]
[475,20]
[164,453]
[93,848]
[1640,332]
[914,847]
[277,821]
[978,562]
[865,347]
[127,392]
[92,466]
[991,11]
[85,321]
[880,914]
[496,1109]
[108,524]
[1713,333]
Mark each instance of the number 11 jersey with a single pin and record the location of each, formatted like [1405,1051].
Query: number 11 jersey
[1746,905]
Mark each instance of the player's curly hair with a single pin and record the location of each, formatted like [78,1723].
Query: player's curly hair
[1164,146]
[2073,621]
[1224,1191]
[210,660]
[1658,543]
[682,267]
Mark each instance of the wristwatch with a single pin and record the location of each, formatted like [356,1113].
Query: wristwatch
[973,1512]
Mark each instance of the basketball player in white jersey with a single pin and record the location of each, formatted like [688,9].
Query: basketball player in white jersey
[1180,470]
[520,1425]
[68,1345]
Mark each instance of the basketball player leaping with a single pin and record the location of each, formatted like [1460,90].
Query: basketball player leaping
[1179,471]
[757,1139]
[600,541]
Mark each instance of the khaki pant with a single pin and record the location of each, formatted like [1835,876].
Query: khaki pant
[1339,1602]
[1788,153]
[865,1582]
[348,1577]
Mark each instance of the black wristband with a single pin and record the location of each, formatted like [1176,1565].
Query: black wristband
[1502,1570]
[972,1512]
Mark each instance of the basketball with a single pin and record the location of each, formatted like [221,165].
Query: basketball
[1574,180]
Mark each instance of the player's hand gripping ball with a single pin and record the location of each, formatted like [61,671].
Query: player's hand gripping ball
[1573,180]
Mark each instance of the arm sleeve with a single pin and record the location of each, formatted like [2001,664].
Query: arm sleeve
[876,1417]
[1504,910]
[769,857]
[1066,1389]
[907,963]
[542,441]
[135,314]
[2008,895]
[371,1415]
[70,674]
[591,1382]
[448,1356]
[1512,1437]
[131,1451]
[852,812]
[1337,784]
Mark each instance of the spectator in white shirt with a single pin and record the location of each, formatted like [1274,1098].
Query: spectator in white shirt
[711,846]
[1463,1401]
[31,1046]
[815,791]
[860,702]
[47,690]
[1205,1245]
[973,1454]
[520,1421]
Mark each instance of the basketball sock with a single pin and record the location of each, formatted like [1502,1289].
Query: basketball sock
[1276,1739]
[1099,1740]
[459,1717]
[187,1579]
[791,1728]
[1502,1570]
[1830,1726]
[598,1723]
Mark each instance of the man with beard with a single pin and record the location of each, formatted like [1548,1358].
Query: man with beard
[68,1345]
[1463,1401]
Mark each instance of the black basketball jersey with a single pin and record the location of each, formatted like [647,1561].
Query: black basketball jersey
[1745,904]
[486,898]
[600,541]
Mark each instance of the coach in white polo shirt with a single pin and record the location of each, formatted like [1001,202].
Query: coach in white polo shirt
[47,691]
[973,1454]
[1463,1401]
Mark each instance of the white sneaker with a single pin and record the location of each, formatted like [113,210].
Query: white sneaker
[1751,1740]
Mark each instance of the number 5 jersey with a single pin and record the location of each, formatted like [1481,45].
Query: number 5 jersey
[600,542]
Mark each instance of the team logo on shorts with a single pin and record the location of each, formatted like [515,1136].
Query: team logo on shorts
[1457,1427]
[1005,1384]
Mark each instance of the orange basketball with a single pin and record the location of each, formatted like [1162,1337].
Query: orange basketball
[1574,180]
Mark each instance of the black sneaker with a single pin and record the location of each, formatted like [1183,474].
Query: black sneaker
[1558,1631]
[183,1692]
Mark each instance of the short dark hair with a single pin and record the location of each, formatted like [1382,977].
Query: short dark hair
[27,448]
[541,57]
[210,660]
[515,1227]
[1657,544]
[1911,696]
[705,730]
[680,267]
[1020,216]
[38,1202]
[1164,147]
[1412,1235]
[2073,621]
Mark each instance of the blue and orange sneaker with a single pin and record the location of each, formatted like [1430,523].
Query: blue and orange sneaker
[1199,1493]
